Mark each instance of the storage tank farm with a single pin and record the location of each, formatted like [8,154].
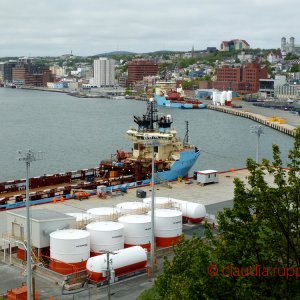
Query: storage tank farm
[104,213]
[105,236]
[122,262]
[191,211]
[69,250]
[137,230]
[133,207]
[168,226]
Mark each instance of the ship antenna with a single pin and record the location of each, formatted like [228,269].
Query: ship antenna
[151,113]
[186,137]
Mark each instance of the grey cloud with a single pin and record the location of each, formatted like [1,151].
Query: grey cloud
[91,26]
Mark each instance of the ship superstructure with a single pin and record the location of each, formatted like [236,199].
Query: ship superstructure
[173,157]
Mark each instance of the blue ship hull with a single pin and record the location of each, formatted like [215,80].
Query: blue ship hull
[181,167]
[162,101]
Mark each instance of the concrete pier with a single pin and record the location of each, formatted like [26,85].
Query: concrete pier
[284,128]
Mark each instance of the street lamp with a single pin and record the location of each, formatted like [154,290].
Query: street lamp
[108,271]
[258,130]
[28,157]
[152,142]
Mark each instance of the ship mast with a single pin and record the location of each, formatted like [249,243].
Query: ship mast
[186,137]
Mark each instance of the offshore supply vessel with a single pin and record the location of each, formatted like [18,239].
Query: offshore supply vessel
[154,136]
[177,99]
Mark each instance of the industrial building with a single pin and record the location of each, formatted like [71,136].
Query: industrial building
[268,86]
[243,79]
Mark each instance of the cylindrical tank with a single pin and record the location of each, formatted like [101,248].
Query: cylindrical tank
[122,262]
[191,211]
[222,98]
[229,96]
[69,250]
[132,207]
[104,213]
[224,95]
[80,217]
[160,202]
[215,97]
[168,226]
[106,236]
[137,230]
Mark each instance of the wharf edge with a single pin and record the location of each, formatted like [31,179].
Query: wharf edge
[284,128]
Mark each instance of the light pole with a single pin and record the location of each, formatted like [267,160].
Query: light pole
[152,142]
[28,157]
[108,270]
[258,130]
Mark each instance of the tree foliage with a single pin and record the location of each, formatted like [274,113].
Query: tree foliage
[256,254]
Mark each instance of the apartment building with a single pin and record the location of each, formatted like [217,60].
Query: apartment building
[104,72]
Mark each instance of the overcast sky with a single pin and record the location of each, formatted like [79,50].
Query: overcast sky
[89,27]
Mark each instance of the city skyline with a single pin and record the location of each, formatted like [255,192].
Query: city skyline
[89,27]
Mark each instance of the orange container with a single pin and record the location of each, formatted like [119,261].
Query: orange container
[19,293]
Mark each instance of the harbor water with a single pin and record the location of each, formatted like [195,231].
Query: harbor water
[77,133]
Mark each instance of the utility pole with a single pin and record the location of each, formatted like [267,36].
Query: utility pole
[258,130]
[28,157]
[108,270]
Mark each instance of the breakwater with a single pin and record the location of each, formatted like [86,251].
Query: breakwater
[284,128]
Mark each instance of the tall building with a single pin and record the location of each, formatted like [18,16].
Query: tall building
[137,69]
[104,72]
[7,73]
[244,80]
[234,45]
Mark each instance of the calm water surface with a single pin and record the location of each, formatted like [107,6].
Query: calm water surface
[77,133]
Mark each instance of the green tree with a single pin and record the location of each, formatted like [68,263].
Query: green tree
[256,254]
[295,68]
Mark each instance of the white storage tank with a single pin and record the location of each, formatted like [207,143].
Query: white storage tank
[215,97]
[80,217]
[132,207]
[122,262]
[160,202]
[108,236]
[104,213]
[137,230]
[191,211]
[229,96]
[69,250]
[168,226]
[222,97]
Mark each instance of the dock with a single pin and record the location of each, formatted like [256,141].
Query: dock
[264,120]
